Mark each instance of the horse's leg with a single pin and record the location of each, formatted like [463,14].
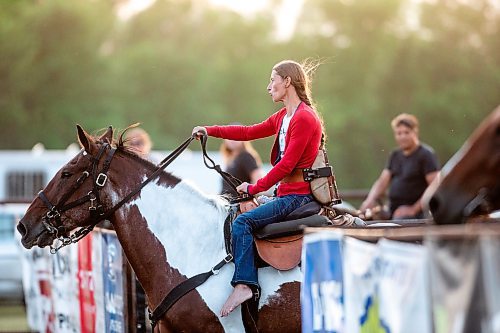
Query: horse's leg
[281,313]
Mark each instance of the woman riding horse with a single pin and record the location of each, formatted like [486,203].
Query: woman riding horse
[298,129]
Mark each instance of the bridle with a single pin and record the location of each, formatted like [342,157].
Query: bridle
[52,219]
[483,202]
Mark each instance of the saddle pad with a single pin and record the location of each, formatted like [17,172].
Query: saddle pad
[281,253]
[293,227]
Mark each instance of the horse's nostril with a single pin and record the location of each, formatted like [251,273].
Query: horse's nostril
[21,228]
[434,204]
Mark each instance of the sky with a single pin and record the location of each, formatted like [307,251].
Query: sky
[285,17]
[128,9]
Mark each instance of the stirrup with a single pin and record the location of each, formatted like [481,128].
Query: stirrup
[255,293]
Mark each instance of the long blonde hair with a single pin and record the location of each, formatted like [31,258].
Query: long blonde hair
[301,79]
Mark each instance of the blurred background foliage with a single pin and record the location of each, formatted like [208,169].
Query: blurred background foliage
[181,63]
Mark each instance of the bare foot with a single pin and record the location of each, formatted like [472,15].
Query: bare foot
[241,293]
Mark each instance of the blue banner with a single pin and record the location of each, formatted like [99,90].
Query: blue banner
[322,287]
[113,283]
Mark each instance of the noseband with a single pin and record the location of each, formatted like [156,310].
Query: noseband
[52,219]
[478,202]
[483,202]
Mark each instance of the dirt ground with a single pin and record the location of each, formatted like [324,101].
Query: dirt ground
[13,318]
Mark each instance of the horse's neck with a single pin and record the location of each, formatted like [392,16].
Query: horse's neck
[168,233]
[185,221]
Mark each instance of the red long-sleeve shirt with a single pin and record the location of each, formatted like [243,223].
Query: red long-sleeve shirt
[301,146]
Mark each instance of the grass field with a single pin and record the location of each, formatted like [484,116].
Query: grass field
[13,318]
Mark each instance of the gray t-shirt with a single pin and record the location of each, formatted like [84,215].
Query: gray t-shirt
[408,173]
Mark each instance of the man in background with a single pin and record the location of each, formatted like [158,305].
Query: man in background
[410,169]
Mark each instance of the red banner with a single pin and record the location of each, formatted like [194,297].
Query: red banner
[47,305]
[86,286]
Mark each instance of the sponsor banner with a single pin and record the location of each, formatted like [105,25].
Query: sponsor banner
[97,268]
[490,260]
[360,282]
[403,287]
[36,267]
[65,289]
[86,285]
[78,289]
[458,300]
[112,283]
[30,288]
[321,292]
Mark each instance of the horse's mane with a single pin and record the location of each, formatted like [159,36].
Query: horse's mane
[120,143]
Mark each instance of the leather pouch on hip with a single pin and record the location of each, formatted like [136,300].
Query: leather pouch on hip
[322,180]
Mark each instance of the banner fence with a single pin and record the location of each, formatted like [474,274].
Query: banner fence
[81,288]
[445,282]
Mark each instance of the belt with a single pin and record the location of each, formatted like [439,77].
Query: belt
[295,176]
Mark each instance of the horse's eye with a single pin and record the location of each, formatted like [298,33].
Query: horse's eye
[66,174]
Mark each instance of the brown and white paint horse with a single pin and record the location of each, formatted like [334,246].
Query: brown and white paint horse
[469,183]
[169,231]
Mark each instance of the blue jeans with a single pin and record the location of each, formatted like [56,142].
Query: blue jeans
[242,233]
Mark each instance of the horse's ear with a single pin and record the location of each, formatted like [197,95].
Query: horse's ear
[108,135]
[85,140]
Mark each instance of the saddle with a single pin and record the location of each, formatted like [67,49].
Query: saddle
[280,244]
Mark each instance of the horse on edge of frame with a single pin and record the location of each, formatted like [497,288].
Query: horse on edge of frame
[469,183]
[169,232]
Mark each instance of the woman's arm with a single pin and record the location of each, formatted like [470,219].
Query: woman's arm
[246,133]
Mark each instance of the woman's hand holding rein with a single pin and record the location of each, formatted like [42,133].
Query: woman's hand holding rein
[242,188]
[199,131]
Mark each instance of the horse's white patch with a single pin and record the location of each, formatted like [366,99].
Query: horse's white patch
[115,199]
[271,279]
[190,226]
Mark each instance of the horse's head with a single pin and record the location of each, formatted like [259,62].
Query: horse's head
[74,197]
[470,182]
